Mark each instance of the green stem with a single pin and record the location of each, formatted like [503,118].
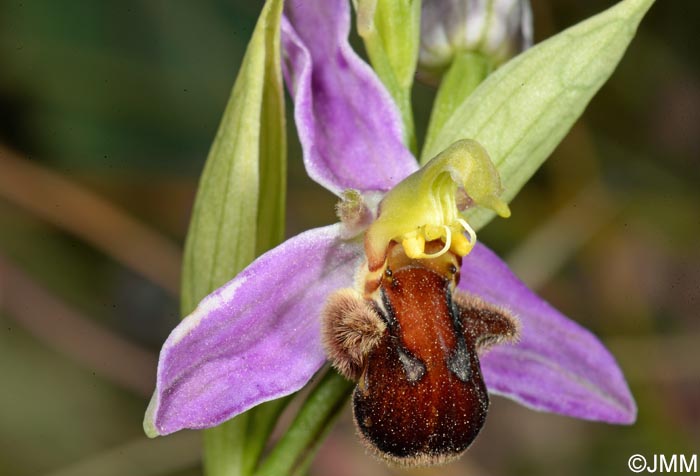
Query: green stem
[295,449]
[403,99]
[465,73]
[261,422]
[224,447]
[234,448]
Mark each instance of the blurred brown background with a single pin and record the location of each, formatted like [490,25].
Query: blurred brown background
[107,110]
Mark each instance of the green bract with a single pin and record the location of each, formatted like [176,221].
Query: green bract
[391,32]
[231,222]
[521,112]
[230,225]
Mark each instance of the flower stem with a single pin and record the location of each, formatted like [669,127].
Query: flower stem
[465,73]
[234,448]
[261,422]
[224,447]
[294,451]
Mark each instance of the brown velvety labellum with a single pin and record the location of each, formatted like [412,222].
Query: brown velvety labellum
[412,342]
[421,398]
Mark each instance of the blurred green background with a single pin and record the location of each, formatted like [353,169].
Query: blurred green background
[107,110]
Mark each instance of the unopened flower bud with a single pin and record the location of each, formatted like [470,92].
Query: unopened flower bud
[497,29]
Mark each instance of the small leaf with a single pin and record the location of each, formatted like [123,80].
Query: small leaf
[239,209]
[523,110]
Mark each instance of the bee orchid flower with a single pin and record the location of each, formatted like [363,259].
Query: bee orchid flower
[258,337]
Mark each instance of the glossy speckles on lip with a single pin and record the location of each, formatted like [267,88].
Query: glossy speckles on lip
[421,398]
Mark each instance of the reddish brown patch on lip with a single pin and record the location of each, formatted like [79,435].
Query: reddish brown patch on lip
[422,398]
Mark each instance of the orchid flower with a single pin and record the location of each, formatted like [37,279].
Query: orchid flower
[257,338]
